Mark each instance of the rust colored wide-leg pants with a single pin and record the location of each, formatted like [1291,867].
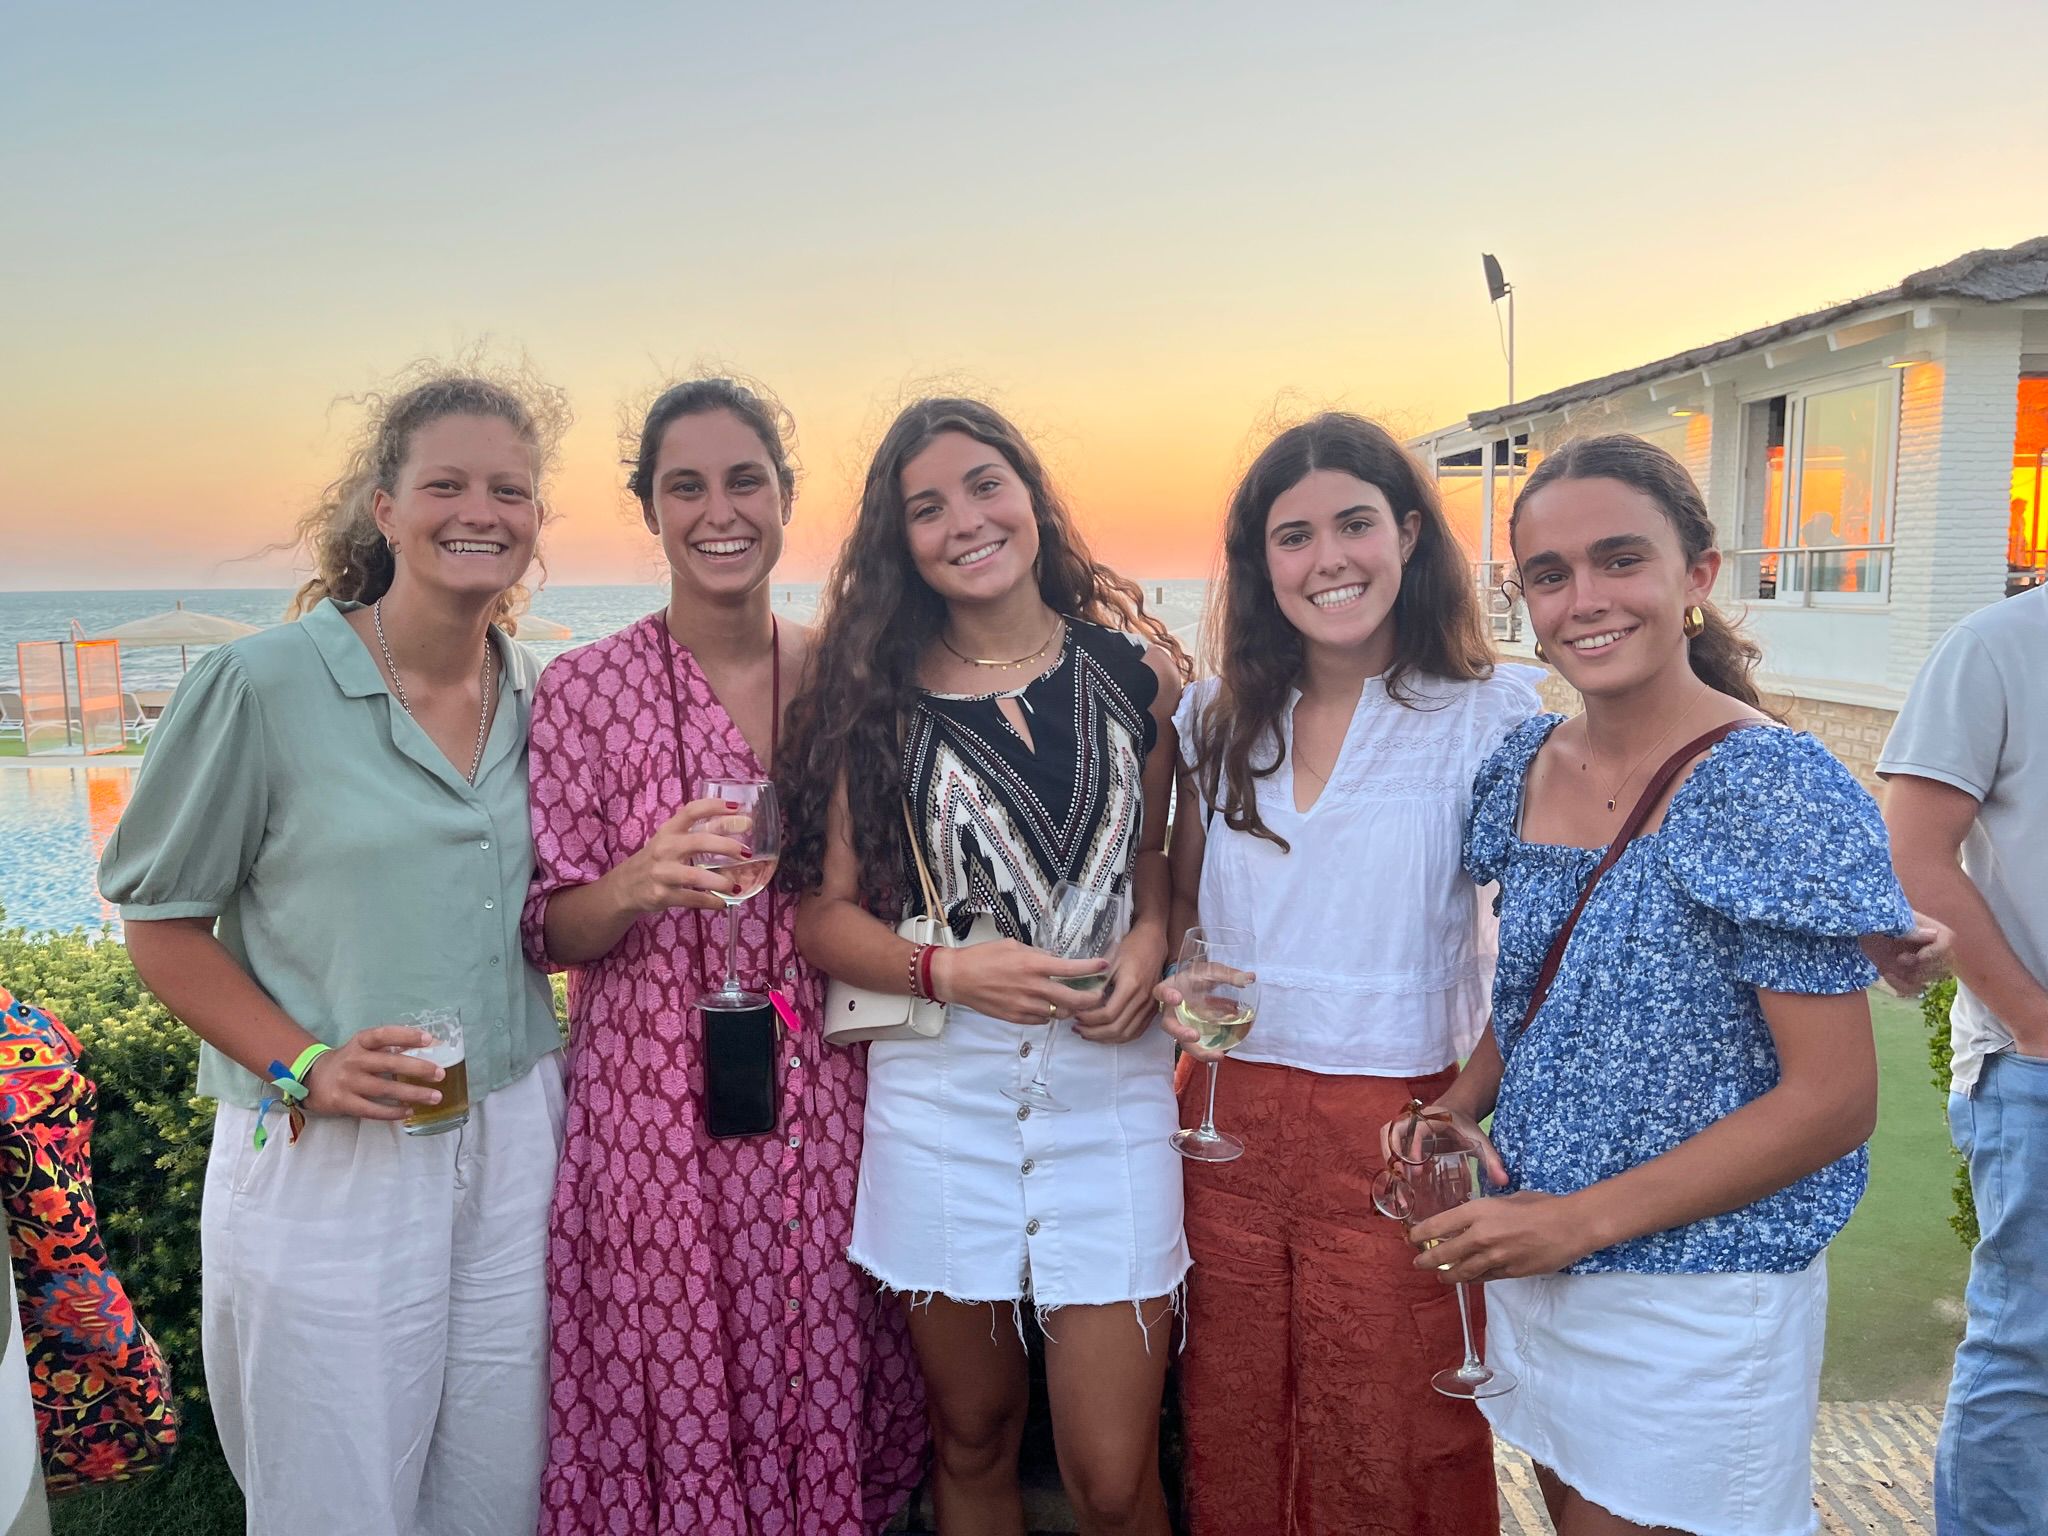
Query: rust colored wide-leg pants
[1311,1335]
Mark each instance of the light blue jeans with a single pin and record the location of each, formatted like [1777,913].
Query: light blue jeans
[1991,1467]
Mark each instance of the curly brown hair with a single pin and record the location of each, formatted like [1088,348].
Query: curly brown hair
[1439,630]
[351,561]
[877,616]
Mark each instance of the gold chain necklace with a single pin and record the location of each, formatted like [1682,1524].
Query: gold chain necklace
[977,661]
[1614,790]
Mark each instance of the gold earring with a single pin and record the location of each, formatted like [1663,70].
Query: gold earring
[1695,621]
[1540,656]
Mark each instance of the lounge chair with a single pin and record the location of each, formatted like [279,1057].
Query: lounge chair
[10,715]
[134,719]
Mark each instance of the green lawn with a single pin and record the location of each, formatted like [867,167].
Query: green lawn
[1895,1275]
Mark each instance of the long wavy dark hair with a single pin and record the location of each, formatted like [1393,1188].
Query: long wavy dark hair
[1439,630]
[1722,656]
[877,616]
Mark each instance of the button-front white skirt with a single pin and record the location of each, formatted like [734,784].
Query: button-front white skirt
[1686,1401]
[966,1195]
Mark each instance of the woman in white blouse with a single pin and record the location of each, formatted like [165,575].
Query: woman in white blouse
[1327,775]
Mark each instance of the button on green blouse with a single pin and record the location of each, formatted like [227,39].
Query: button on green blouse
[353,871]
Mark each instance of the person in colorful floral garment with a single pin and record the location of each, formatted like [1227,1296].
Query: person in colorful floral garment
[719,1367]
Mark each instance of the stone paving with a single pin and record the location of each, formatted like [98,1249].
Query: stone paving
[1873,1471]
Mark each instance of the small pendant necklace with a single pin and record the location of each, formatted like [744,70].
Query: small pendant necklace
[1614,790]
[1021,661]
[486,685]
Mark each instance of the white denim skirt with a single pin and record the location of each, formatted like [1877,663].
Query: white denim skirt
[1686,1401]
[967,1195]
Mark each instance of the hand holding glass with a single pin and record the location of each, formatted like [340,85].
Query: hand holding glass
[1219,997]
[1434,1171]
[447,1053]
[749,873]
[1081,923]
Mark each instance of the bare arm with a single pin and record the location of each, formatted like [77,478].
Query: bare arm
[586,922]
[1823,1107]
[1928,821]
[1184,858]
[194,976]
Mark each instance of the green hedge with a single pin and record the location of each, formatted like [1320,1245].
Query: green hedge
[149,1145]
[1934,1007]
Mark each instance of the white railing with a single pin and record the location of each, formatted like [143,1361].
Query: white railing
[1808,574]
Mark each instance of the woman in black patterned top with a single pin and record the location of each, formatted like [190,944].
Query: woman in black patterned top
[974,658]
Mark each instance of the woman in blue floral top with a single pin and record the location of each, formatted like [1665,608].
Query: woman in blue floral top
[1681,1124]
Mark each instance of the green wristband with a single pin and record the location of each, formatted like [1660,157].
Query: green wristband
[307,1057]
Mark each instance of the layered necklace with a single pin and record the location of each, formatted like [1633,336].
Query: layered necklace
[1058,625]
[486,685]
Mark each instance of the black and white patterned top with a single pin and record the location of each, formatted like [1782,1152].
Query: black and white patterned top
[1002,822]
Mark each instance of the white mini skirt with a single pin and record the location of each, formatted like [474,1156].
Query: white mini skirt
[966,1195]
[1686,1401]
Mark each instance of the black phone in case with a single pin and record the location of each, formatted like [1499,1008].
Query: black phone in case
[740,1049]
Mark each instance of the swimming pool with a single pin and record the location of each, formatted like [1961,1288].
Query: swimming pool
[53,824]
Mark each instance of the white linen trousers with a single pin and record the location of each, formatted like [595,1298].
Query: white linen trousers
[375,1317]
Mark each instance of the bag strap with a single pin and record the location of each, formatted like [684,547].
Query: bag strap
[924,877]
[1630,830]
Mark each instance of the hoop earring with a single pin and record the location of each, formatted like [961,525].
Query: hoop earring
[1695,621]
[1540,656]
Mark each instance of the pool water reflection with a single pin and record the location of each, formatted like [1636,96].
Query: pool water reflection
[54,823]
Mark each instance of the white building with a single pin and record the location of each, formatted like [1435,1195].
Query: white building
[1876,470]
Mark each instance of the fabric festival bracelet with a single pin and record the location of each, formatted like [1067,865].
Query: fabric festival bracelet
[924,973]
[290,1085]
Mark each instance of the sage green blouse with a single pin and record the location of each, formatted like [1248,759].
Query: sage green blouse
[353,871]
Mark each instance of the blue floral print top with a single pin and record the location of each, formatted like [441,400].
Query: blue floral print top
[1770,863]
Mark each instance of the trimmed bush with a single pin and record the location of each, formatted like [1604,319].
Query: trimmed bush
[1934,1007]
[151,1133]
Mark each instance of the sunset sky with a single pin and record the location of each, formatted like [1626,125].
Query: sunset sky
[1141,229]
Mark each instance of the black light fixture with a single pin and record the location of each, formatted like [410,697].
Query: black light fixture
[1496,284]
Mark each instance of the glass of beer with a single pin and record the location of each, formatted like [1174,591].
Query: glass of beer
[446,1052]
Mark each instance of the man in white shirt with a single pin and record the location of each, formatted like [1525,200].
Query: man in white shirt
[1967,804]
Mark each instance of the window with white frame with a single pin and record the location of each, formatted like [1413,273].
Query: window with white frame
[1817,477]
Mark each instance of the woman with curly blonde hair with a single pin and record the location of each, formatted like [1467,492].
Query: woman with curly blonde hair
[330,837]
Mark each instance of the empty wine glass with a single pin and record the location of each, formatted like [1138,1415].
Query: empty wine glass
[1433,1171]
[1219,997]
[1081,923]
[749,872]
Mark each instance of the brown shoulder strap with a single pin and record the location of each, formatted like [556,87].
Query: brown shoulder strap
[1630,830]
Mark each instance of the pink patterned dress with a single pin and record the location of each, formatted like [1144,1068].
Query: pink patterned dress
[719,1368]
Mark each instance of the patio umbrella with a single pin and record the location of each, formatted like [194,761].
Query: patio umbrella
[181,627]
[533,627]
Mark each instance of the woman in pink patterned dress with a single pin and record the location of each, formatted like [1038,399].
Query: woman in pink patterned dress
[719,1367]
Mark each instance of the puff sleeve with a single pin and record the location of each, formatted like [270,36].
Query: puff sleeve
[190,835]
[1791,850]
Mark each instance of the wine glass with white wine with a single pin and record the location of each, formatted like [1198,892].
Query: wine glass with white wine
[749,873]
[1219,998]
[1081,923]
[1434,1170]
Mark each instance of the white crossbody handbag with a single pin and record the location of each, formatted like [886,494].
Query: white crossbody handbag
[854,1013]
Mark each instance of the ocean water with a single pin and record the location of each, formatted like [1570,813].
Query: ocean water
[56,819]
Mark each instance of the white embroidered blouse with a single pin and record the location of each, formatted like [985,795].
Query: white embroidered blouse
[1375,951]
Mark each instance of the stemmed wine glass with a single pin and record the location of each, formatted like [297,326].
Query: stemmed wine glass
[1433,1171]
[1081,923]
[1219,997]
[750,874]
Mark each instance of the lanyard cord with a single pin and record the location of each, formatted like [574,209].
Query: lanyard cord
[675,716]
